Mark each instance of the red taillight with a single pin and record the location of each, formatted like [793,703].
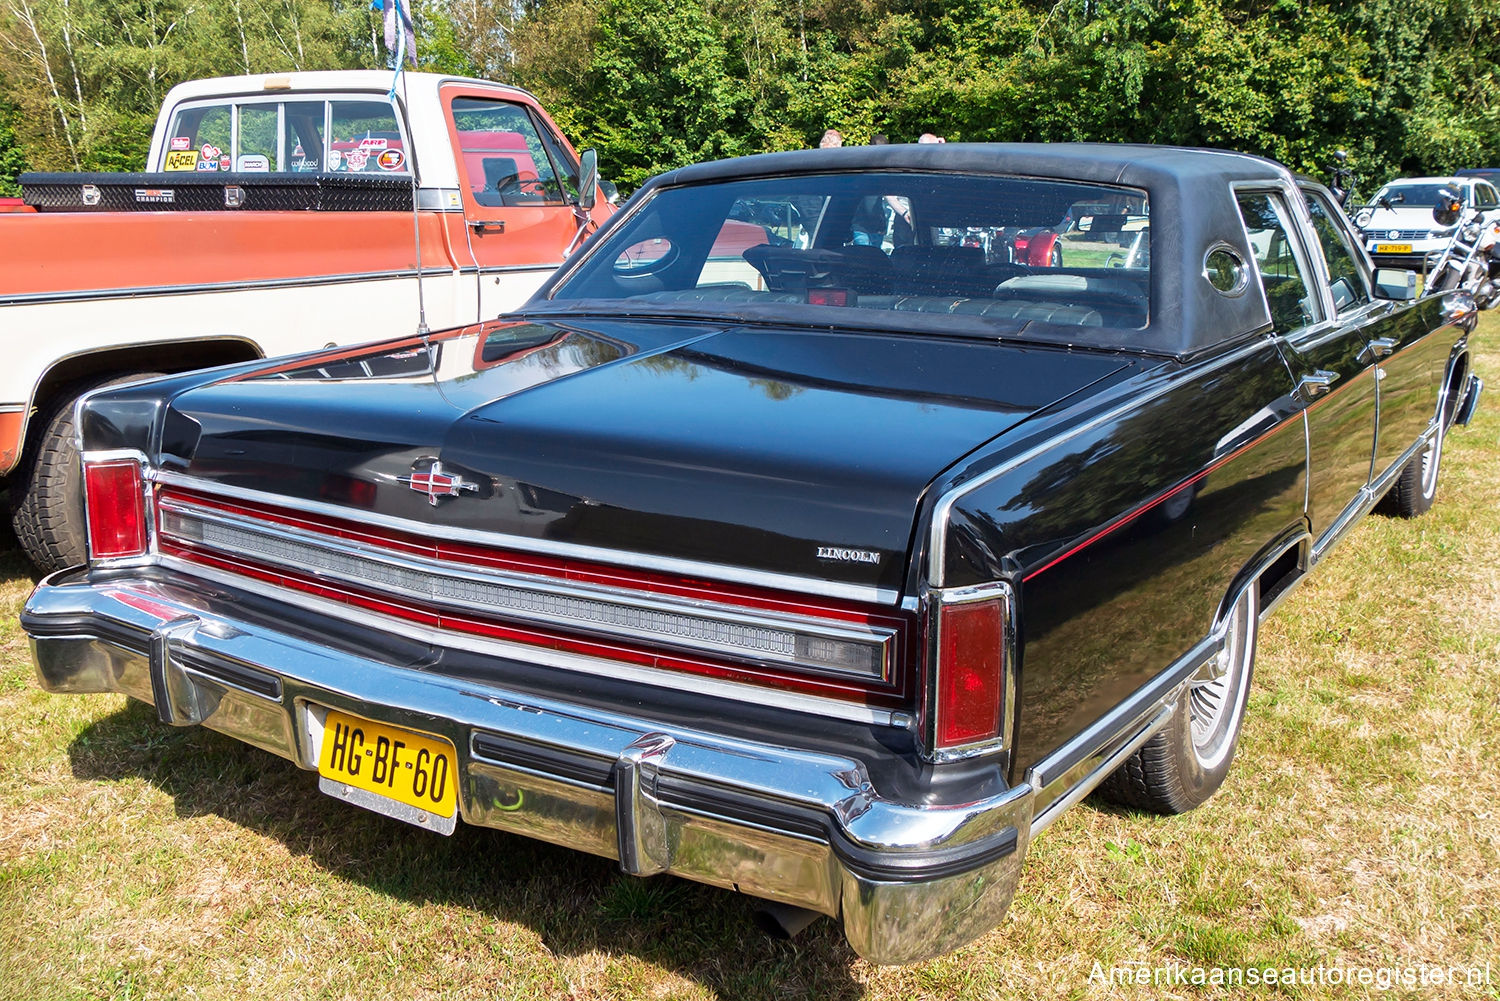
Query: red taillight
[115,495]
[828,296]
[969,685]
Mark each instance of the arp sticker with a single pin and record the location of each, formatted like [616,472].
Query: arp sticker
[373,143]
[254,163]
[182,159]
[356,158]
[391,159]
[182,142]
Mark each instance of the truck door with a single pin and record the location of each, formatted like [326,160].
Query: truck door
[1329,356]
[518,181]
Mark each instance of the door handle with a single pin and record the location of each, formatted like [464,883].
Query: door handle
[1315,384]
[488,225]
[1380,347]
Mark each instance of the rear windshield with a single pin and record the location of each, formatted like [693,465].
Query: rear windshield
[981,248]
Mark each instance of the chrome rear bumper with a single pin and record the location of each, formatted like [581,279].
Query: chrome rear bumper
[908,880]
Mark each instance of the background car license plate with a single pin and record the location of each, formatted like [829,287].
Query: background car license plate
[411,768]
[1392,248]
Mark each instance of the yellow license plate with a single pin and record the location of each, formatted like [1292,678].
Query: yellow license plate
[412,768]
[1392,248]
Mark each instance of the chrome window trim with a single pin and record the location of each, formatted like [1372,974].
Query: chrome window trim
[537,598]
[938,599]
[611,557]
[1293,215]
[942,511]
[543,657]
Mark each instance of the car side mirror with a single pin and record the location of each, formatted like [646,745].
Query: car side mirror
[588,179]
[1445,212]
[1395,284]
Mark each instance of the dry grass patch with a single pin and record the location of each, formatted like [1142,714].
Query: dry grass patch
[1360,826]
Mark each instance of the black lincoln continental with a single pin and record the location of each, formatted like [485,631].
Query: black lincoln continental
[822,531]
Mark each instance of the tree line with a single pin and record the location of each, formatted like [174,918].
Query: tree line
[654,84]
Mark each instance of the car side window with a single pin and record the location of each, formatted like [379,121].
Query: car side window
[502,155]
[1345,276]
[1283,273]
[1485,197]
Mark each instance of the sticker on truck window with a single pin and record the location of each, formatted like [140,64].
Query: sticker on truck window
[182,159]
[182,142]
[254,163]
[204,165]
[335,159]
[356,159]
[391,159]
[210,151]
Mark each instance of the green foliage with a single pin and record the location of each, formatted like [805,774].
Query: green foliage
[655,84]
[12,157]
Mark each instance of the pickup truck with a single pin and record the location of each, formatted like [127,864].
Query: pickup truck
[829,568]
[277,215]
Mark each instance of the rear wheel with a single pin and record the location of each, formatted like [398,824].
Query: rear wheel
[46,495]
[1188,759]
[1416,487]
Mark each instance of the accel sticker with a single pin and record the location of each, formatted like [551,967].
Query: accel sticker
[182,159]
[182,142]
[391,159]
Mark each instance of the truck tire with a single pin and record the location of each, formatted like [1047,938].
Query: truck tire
[1188,759]
[46,494]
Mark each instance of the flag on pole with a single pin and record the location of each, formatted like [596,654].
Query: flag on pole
[400,35]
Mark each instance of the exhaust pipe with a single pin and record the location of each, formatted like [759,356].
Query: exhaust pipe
[783,921]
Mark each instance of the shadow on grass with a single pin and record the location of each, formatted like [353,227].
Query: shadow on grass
[574,902]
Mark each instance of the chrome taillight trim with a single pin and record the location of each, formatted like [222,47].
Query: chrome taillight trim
[937,599]
[815,705]
[99,456]
[700,627]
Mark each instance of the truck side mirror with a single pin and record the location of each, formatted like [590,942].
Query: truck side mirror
[588,179]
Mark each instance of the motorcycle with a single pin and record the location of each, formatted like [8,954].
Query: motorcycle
[1471,261]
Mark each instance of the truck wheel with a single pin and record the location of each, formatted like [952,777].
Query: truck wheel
[1416,487]
[1187,760]
[46,494]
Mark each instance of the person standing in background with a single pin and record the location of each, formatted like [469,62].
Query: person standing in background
[832,139]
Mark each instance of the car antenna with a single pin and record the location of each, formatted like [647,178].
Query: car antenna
[416,220]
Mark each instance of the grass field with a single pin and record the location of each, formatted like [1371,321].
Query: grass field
[1359,828]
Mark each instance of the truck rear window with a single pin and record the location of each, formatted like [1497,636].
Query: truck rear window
[295,135]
